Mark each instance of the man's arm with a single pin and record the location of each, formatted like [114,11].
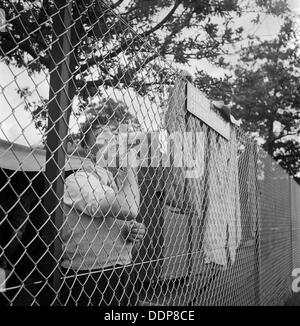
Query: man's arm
[126,202]
[128,196]
[85,193]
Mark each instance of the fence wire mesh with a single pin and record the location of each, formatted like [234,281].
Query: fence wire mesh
[128,198]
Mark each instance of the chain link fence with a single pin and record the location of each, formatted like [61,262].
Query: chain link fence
[201,215]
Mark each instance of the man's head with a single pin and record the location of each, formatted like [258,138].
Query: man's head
[92,127]
[97,127]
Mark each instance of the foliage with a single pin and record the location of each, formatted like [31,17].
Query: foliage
[264,91]
[108,52]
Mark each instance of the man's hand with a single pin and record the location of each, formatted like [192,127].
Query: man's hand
[106,151]
[132,161]
[135,231]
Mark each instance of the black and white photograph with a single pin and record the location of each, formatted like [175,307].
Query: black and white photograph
[149,155]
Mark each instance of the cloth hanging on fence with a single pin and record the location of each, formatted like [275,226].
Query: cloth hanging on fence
[223,213]
[249,191]
[175,125]
[195,157]
[187,156]
[196,191]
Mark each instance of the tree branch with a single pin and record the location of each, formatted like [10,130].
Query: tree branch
[282,134]
[81,84]
[10,45]
[117,4]
[130,10]
[127,76]
[93,61]
[116,80]
[163,21]
[124,46]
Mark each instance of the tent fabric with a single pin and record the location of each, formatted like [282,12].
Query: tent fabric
[23,158]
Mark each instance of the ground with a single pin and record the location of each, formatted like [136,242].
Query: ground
[294,300]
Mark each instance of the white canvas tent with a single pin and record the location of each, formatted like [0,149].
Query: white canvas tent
[22,158]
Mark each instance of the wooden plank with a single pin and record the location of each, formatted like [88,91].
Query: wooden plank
[200,106]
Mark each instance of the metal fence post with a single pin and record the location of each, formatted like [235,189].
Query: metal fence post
[190,215]
[291,224]
[257,236]
[58,116]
